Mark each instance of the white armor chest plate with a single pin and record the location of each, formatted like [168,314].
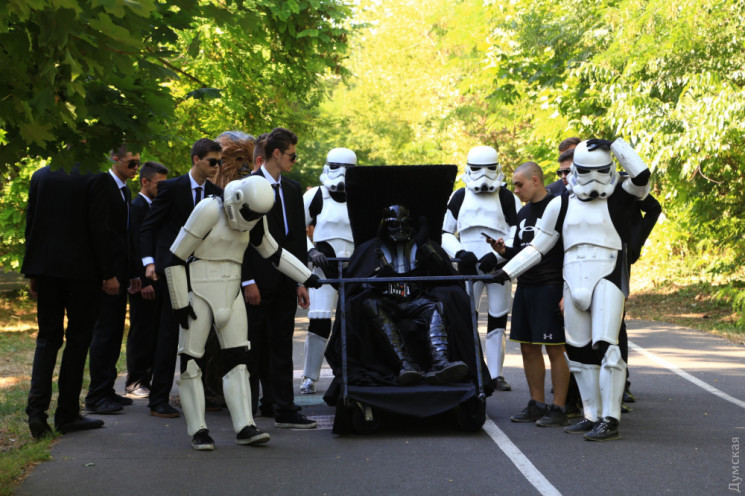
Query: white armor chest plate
[481,212]
[333,221]
[402,257]
[223,243]
[591,248]
[589,223]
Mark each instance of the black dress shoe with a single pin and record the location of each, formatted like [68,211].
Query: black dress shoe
[164,410]
[121,399]
[80,423]
[39,428]
[104,407]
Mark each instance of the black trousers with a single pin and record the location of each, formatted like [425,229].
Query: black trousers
[166,348]
[106,345]
[80,300]
[144,317]
[270,328]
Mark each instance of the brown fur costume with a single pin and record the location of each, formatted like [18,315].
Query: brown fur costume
[237,157]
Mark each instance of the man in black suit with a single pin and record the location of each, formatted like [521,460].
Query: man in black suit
[109,328]
[144,306]
[272,297]
[169,211]
[68,255]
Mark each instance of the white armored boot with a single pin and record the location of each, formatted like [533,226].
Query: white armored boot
[612,379]
[495,350]
[587,377]
[315,346]
[237,391]
[191,391]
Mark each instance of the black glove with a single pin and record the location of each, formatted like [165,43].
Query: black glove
[467,264]
[318,258]
[500,277]
[596,143]
[642,178]
[422,235]
[183,314]
[312,282]
[488,263]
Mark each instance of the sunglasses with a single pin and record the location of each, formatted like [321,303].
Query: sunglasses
[214,162]
[563,172]
[293,156]
[584,170]
[133,164]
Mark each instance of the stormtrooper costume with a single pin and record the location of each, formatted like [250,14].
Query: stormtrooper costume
[483,206]
[206,288]
[590,218]
[326,209]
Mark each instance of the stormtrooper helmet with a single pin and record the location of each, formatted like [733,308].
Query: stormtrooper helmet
[593,173]
[483,173]
[337,162]
[246,200]
[396,225]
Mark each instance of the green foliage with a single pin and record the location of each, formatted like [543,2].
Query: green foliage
[84,76]
[13,200]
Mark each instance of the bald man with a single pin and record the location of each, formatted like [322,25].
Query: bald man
[536,318]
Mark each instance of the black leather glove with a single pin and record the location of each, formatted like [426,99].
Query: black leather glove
[500,277]
[183,314]
[488,263]
[467,264]
[596,143]
[317,258]
[422,235]
[642,178]
[312,282]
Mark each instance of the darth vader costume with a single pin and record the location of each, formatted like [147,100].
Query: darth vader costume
[374,367]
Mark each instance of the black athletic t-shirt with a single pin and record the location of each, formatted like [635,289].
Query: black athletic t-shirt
[549,271]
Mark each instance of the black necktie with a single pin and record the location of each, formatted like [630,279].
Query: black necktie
[281,210]
[197,195]
[127,195]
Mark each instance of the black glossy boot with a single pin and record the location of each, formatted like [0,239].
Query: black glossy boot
[443,371]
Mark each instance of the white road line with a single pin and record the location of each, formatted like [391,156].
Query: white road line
[521,461]
[685,375]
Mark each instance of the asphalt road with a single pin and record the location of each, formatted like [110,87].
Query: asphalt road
[683,437]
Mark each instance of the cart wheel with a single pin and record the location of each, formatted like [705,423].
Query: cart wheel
[471,415]
[363,419]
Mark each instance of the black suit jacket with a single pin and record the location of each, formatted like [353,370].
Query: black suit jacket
[118,230]
[268,279]
[169,211]
[67,226]
[138,209]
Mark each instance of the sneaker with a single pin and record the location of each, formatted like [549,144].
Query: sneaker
[202,441]
[626,408]
[308,386]
[584,425]
[502,384]
[605,430]
[530,413]
[139,392]
[555,417]
[251,435]
[628,397]
[294,420]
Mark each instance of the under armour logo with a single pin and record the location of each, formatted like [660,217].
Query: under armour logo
[548,336]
